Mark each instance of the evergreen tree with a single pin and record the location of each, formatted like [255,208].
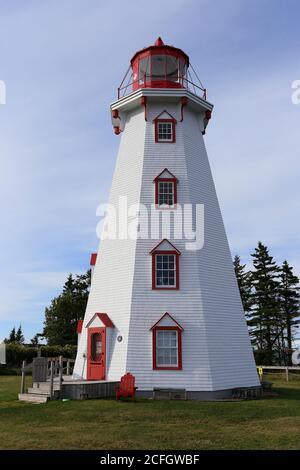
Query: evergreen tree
[12,336]
[265,320]
[35,340]
[19,336]
[65,310]
[244,282]
[289,296]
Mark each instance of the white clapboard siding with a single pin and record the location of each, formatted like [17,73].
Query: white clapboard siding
[216,350]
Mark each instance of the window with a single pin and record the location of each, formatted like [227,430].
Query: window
[165,190]
[167,344]
[165,267]
[165,130]
[96,347]
[165,270]
[166,348]
[165,127]
[165,193]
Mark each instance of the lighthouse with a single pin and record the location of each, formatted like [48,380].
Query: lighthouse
[164,304]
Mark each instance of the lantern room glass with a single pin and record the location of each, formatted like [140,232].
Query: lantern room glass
[144,69]
[158,67]
[163,67]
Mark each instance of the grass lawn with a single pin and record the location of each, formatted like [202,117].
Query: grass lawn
[272,423]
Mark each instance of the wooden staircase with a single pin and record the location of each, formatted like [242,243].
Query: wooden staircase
[47,379]
[40,392]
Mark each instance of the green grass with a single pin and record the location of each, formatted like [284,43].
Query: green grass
[272,423]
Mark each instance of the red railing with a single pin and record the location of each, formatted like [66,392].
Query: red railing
[124,90]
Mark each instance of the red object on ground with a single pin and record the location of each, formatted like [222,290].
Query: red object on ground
[126,388]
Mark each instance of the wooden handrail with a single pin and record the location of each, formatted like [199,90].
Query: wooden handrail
[56,369]
[22,389]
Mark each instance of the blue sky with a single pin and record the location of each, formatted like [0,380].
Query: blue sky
[62,61]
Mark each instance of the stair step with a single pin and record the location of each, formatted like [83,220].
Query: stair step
[44,386]
[41,391]
[33,398]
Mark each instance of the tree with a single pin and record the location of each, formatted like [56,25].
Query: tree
[65,310]
[265,320]
[289,297]
[15,336]
[19,336]
[12,336]
[244,282]
[35,340]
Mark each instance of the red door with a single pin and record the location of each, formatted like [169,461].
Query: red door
[96,356]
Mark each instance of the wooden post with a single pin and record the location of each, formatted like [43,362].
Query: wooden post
[22,390]
[68,367]
[60,375]
[51,378]
[287,374]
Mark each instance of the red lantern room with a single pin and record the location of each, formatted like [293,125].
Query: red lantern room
[159,66]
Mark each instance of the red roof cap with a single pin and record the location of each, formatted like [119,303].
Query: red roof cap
[159,42]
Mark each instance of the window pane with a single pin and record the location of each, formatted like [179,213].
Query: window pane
[182,71]
[144,69]
[167,339]
[96,346]
[160,338]
[173,360]
[166,193]
[172,68]
[165,270]
[158,67]
[166,348]
[167,356]
[165,131]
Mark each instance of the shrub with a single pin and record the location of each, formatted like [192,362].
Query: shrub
[17,353]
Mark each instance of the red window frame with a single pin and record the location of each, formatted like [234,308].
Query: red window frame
[167,180]
[179,348]
[173,122]
[154,254]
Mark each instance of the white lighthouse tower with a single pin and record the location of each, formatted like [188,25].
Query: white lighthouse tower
[164,308]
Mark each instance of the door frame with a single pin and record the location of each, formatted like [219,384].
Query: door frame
[90,332]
